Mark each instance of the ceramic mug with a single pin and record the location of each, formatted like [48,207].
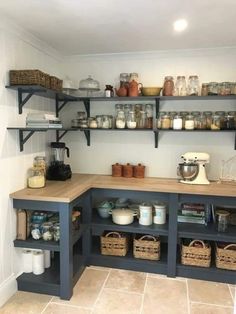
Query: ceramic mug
[104,208]
[160,214]
[145,212]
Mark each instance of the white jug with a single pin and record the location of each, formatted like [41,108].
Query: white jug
[160,214]
[145,212]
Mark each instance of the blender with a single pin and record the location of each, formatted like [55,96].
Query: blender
[58,170]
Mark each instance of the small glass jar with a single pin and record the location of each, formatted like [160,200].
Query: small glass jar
[204,91]
[180,86]
[134,76]
[195,114]
[36,231]
[47,231]
[92,123]
[193,85]
[172,114]
[131,120]
[99,121]
[81,115]
[222,220]
[159,118]
[83,123]
[213,88]
[208,115]
[120,120]
[143,120]
[224,88]
[183,114]
[177,122]
[56,232]
[105,122]
[189,122]
[165,121]
[119,107]
[216,122]
[229,123]
[221,114]
[36,178]
[38,217]
[124,79]
[200,122]
[168,88]
[233,113]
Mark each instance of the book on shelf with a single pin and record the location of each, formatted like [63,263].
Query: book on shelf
[191,219]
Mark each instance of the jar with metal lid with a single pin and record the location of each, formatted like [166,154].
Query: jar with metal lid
[195,114]
[224,88]
[149,110]
[36,231]
[204,91]
[229,123]
[189,122]
[172,114]
[216,122]
[81,115]
[208,115]
[183,114]
[106,122]
[200,122]
[75,123]
[213,88]
[177,122]
[221,114]
[165,121]
[233,113]
[222,220]
[134,76]
[120,120]
[47,231]
[92,123]
[143,120]
[36,178]
[168,88]
[119,107]
[83,123]
[159,118]
[193,85]
[131,120]
[56,232]
[40,162]
[99,121]
[180,86]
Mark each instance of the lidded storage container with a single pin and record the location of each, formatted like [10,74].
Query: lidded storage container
[168,88]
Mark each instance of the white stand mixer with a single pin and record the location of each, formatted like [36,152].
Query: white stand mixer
[197,161]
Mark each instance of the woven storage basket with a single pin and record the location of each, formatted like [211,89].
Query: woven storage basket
[196,256]
[147,247]
[55,83]
[114,243]
[29,77]
[226,256]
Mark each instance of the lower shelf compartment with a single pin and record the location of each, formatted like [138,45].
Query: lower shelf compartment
[128,262]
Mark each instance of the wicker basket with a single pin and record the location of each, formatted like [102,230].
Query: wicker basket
[29,77]
[55,83]
[147,247]
[196,255]
[226,256]
[114,243]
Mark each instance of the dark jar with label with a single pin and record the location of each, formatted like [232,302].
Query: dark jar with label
[109,92]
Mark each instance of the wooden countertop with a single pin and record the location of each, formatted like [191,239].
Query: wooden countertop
[67,191]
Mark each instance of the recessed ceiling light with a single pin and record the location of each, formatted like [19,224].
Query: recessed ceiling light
[180,25]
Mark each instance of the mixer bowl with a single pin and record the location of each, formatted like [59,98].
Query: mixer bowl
[188,171]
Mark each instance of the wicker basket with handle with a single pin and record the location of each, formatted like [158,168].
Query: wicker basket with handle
[226,256]
[147,247]
[114,243]
[197,253]
[29,77]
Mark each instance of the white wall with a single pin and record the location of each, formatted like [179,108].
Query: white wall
[110,147]
[18,51]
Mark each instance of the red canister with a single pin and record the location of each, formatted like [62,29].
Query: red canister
[139,171]
[117,170]
[127,171]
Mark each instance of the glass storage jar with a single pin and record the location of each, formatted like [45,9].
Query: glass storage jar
[195,114]
[233,113]
[131,120]
[172,114]
[189,122]
[213,88]
[224,88]
[124,79]
[229,123]
[119,107]
[168,88]
[221,114]
[208,115]
[200,122]
[183,114]
[92,123]
[177,123]
[40,162]
[180,86]
[47,231]
[216,122]
[193,85]
[204,91]
[222,220]
[105,122]
[165,121]
[36,178]
[120,120]
[143,120]
[56,232]
[159,118]
[36,231]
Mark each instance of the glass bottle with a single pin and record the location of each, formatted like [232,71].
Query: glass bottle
[168,88]
[177,122]
[36,178]
[193,85]
[109,92]
[180,86]
[120,120]
[165,121]
[131,120]
[189,122]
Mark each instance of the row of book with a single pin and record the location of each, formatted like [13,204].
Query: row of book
[196,213]
[43,121]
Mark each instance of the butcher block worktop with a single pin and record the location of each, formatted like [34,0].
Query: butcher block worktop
[67,191]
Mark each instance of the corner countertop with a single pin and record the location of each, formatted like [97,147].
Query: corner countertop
[67,191]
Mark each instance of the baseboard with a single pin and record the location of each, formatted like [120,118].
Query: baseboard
[7,289]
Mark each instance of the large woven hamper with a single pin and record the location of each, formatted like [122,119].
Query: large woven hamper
[197,253]
[225,256]
[29,77]
[147,247]
[114,243]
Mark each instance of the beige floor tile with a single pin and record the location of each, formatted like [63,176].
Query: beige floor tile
[165,296]
[150,275]
[87,289]
[209,292]
[233,291]
[196,308]
[118,302]
[99,268]
[126,280]
[54,308]
[25,303]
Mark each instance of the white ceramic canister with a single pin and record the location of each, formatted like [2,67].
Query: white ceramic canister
[145,212]
[160,214]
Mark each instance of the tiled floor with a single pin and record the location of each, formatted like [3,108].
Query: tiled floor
[112,291]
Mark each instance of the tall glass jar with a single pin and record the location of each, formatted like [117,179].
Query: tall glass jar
[233,113]
[180,86]
[221,114]
[213,88]
[195,114]
[99,119]
[229,123]
[120,120]
[131,120]
[159,119]
[36,178]
[47,231]
[216,122]
[105,122]
[40,162]
[193,85]
[204,91]
[143,120]
[208,115]
[149,110]
[165,121]
[172,114]
[189,122]
[124,79]
[168,88]
[183,114]
[200,122]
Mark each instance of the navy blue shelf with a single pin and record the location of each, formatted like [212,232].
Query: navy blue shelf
[38,244]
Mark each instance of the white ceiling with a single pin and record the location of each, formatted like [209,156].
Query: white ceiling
[113,26]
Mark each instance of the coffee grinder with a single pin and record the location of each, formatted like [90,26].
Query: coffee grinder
[58,170]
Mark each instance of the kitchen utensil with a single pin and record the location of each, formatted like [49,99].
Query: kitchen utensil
[122,91]
[160,214]
[121,203]
[145,212]
[133,89]
[192,170]
[90,85]
[123,216]
[104,209]
[151,91]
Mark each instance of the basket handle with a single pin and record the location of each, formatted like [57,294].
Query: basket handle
[199,241]
[229,245]
[113,232]
[148,236]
